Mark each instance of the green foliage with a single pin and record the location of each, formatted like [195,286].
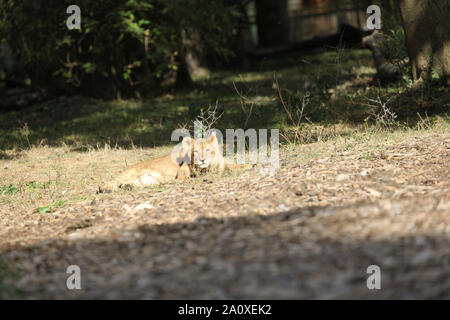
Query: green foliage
[43,209]
[29,187]
[9,189]
[33,185]
[50,208]
[397,53]
[122,46]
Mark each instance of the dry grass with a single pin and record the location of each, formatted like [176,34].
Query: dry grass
[44,179]
[53,177]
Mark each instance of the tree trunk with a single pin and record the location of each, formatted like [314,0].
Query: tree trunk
[427,30]
[190,60]
[272,21]
[184,79]
[195,60]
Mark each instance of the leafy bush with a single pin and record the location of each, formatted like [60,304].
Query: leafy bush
[122,46]
[397,53]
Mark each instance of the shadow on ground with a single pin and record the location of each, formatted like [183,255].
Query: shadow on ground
[308,253]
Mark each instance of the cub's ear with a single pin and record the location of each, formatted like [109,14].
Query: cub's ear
[187,143]
[212,137]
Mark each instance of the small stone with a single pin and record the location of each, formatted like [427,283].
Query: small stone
[144,205]
[282,207]
[75,236]
[342,177]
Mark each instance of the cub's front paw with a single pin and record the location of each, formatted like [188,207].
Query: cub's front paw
[104,189]
[107,188]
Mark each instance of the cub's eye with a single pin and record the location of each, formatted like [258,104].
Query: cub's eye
[195,151]
[208,150]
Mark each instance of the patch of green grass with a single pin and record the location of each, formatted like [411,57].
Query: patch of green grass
[338,84]
[82,122]
[9,189]
[50,208]
[30,186]
[33,185]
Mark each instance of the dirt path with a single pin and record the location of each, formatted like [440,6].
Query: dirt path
[309,231]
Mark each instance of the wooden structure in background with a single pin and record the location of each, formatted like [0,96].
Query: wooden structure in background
[284,23]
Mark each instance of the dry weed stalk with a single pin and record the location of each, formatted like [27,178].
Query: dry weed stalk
[244,103]
[205,120]
[25,132]
[424,124]
[381,113]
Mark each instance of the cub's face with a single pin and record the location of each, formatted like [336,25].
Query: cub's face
[204,152]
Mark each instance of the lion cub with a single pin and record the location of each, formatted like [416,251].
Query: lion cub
[195,156]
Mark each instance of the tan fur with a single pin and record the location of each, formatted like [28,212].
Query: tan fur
[155,171]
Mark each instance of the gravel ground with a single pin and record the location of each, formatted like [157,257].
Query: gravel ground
[309,231]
